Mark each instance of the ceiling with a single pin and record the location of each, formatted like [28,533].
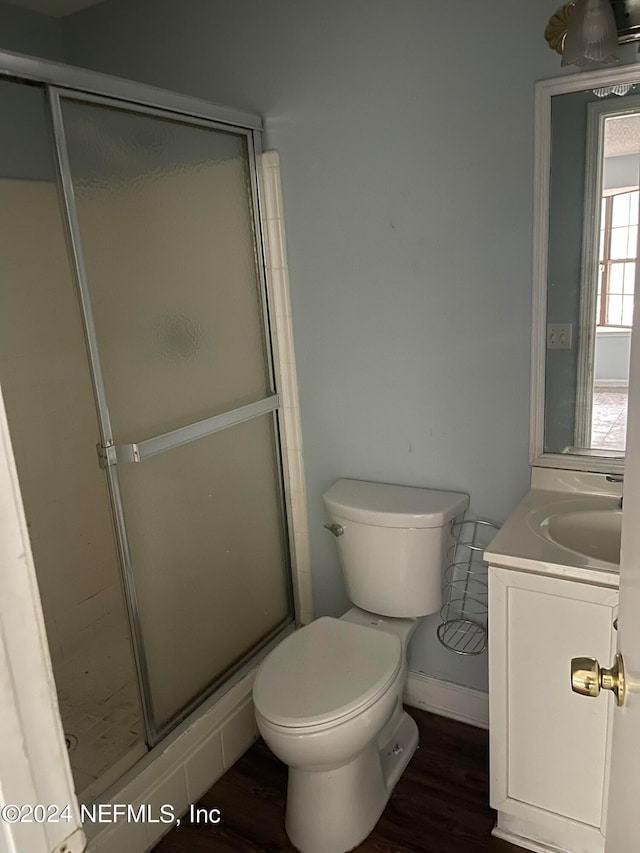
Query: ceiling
[55,8]
[622,135]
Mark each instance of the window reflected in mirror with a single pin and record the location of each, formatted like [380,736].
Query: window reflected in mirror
[616,281]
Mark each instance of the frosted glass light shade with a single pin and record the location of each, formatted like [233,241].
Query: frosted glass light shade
[592,37]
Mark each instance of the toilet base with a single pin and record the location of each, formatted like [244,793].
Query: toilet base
[398,750]
[333,810]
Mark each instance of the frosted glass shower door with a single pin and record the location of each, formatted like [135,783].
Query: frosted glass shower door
[162,212]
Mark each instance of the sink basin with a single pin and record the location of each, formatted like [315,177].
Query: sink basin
[592,533]
[589,527]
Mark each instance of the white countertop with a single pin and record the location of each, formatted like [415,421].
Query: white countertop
[518,546]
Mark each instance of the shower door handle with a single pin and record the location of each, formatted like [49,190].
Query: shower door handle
[110,454]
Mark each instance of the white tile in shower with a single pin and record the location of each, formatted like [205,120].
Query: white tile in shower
[204,761]
[293,463]
[278,293]
[238,733]
[123,837]
[277,255]
[286,356]
[298,488]
[172,790]
[270,178]
[293,436]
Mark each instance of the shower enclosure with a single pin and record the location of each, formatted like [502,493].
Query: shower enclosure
[135,363]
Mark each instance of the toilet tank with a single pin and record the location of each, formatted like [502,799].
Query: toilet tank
[393,543]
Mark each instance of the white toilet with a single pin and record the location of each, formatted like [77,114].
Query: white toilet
[328,699]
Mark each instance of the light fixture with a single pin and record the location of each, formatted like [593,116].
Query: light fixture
[556,31]
[621,89]
[584,32]
[592,38]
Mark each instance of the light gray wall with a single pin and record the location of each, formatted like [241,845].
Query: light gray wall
[622,171]
[613,350]
[405,130]
[27,155]
[23,31]
[26,139]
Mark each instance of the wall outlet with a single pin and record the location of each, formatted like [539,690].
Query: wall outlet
[559,335]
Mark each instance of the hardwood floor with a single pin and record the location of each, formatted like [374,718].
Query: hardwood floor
[440,805]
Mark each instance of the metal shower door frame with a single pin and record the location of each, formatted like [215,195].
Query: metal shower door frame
[111,454]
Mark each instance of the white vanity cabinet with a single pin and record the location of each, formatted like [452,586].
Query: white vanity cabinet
[549,746]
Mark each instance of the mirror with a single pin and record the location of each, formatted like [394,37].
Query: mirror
[587,200]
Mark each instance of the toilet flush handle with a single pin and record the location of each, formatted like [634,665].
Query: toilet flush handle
[336,529]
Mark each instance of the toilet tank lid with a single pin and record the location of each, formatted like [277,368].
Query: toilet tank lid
[387,505]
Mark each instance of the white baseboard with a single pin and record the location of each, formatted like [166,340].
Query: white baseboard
[525,843]
[448,700]
[610,383]
[546,832]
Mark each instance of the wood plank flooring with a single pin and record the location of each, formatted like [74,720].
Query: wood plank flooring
[440,805]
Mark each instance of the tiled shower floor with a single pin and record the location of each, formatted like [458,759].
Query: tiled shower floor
[609,418]
[97,695]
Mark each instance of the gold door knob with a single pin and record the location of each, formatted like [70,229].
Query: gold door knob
[588,677]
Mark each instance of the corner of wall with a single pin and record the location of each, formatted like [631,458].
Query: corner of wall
[32,33]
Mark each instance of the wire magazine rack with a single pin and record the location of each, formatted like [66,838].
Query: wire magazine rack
[464,612]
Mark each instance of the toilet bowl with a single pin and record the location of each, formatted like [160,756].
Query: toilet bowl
[328,704]
[328,699]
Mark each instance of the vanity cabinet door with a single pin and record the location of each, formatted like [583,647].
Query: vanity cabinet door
[549,746]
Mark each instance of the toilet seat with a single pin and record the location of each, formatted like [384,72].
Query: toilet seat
[325,673]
